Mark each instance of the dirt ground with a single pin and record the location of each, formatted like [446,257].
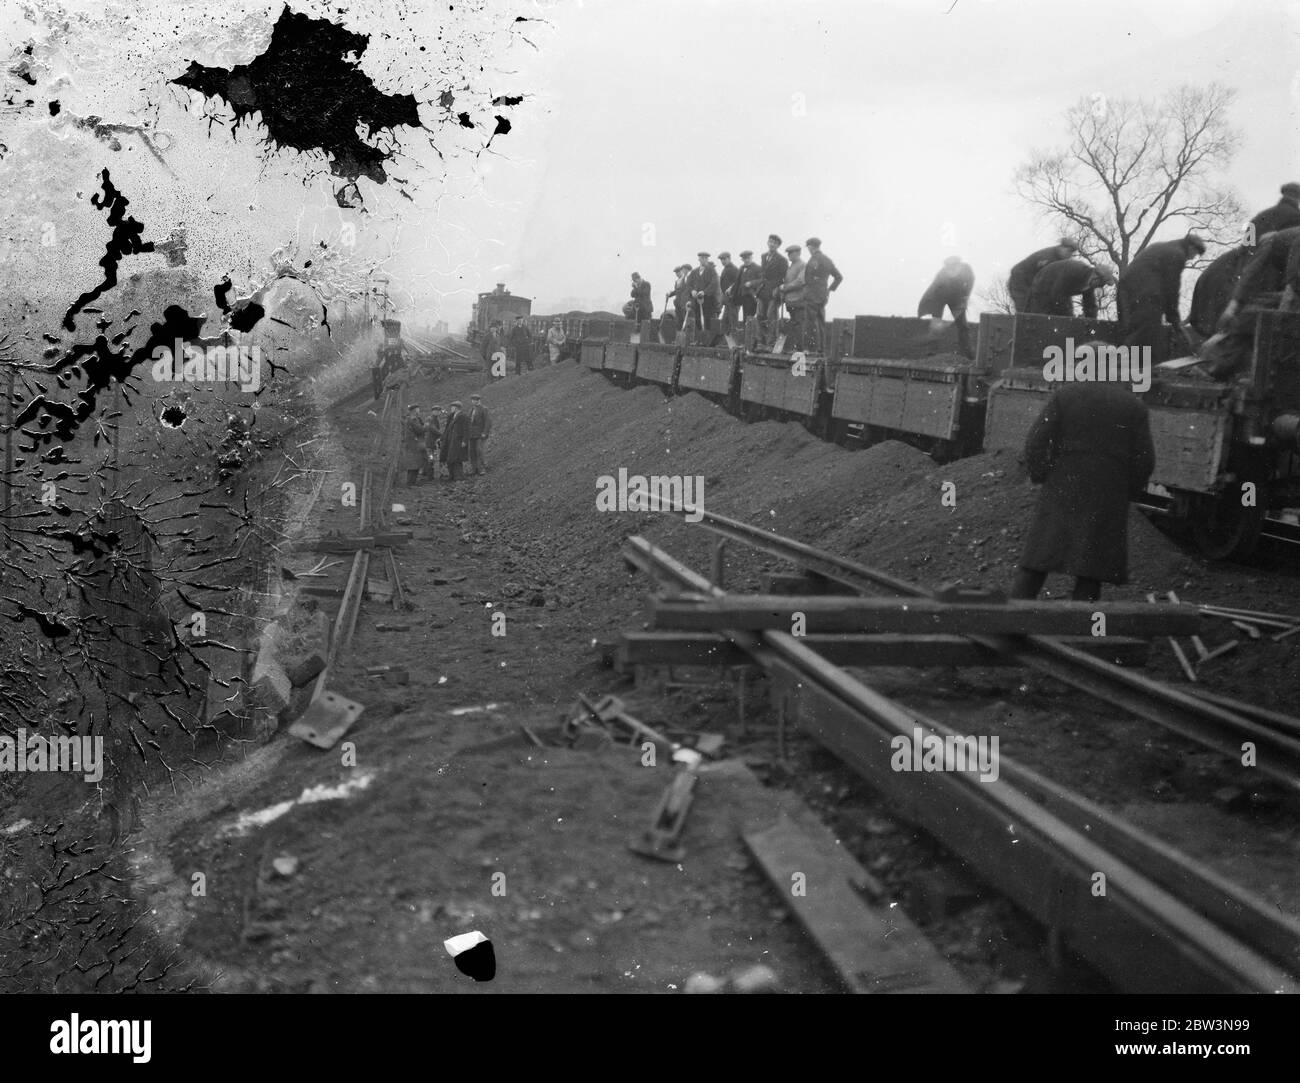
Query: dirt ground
[325,872]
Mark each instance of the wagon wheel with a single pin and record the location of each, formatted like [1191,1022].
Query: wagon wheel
[1225,530]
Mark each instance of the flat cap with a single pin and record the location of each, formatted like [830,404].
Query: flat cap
[813,242]
[1105,272]
[1065,242]
[702,255]
[1291,188]
[746,252]
[457,402]
[724,255]
[793,248]
[476,395]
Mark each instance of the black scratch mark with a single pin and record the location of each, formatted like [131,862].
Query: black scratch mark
[312,95]
[125,240]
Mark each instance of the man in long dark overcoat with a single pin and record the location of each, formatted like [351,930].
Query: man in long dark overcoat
[1091,451]
[414,455]
[455,442]
[521,346]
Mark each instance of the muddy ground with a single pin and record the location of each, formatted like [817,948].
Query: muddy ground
[345,870]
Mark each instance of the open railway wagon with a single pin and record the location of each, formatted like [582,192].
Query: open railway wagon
[904,379]
[1227,453]
[707,363]
[574,328]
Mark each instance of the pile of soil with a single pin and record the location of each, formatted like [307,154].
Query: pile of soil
[455,802]
[558,430]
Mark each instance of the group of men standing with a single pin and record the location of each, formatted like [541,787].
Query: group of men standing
[517,346]
[449,438]
[749,289]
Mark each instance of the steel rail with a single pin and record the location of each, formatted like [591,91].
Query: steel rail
[1030,851]
[1211,723]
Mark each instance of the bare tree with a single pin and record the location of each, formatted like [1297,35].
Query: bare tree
[996,297]
[1135,166]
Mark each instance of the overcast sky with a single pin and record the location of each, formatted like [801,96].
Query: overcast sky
[681,115]
[648,130]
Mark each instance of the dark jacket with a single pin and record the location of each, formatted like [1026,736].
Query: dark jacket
[1214,289]
[949,289]
[491,343]
[680,293]
[1153,278]
[1022,274]
[521,339]
[750,276]
[432,432]
[1091,450]
[774,267]
[414,454]
[1265,271]
[1282,215]
[480,425]
[818,269]
[455,440]
[727,279]
[644,299]
[704,280]
[1056,284]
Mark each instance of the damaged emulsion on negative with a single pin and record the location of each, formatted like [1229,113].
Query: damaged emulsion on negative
[310,95]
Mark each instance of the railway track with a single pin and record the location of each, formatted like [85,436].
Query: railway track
[1163,922]
[371,502]
[1222,725]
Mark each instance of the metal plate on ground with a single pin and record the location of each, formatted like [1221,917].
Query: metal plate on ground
[327,719]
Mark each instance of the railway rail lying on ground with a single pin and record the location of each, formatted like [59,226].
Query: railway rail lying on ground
[1037,842]
[372,503]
